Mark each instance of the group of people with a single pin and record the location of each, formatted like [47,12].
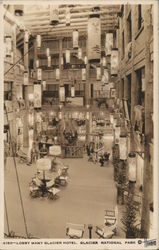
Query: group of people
[96,152]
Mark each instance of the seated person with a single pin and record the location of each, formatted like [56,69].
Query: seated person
[43,150]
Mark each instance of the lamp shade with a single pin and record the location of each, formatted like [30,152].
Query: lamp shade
[123,150]
[43,164]
[55,150]
[54,14]
[132,163]
[38,40]
[75,39]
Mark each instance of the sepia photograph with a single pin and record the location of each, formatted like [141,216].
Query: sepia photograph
[79,125]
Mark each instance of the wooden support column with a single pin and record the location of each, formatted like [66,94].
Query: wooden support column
[12,123]
[147,182]
[26,111]
[60,66]
[35,76]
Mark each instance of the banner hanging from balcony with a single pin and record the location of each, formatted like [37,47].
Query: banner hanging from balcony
[37,95]
[54,14]
[108,43]
[123,147]
[67,56]
[98,73]
[26,78]
[94,39]
[67,14]
[62,93]
[75,39]
[38,40]
[49,61]
[84,74]
[8,45]
[39,74]
[114,62]
[57,74]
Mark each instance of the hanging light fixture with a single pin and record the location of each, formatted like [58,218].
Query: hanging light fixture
[132,166]
[67,14]
[72,91]
[47,52]
[37,63]
[38,40]
[67,56]
[79,53]
[123,149]
[54,14]
[49,61]
[75,39]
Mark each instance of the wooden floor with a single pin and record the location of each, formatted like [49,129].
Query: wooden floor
[90,191]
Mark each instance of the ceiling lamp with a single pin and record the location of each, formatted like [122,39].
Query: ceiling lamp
[47,52]
[67,16]
[79,53]
[38,40]
[67,56]
[54,14]
[132,166]
[49,61]
[18,10]
[75,39]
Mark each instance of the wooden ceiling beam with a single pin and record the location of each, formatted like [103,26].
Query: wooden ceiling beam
[63,21]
